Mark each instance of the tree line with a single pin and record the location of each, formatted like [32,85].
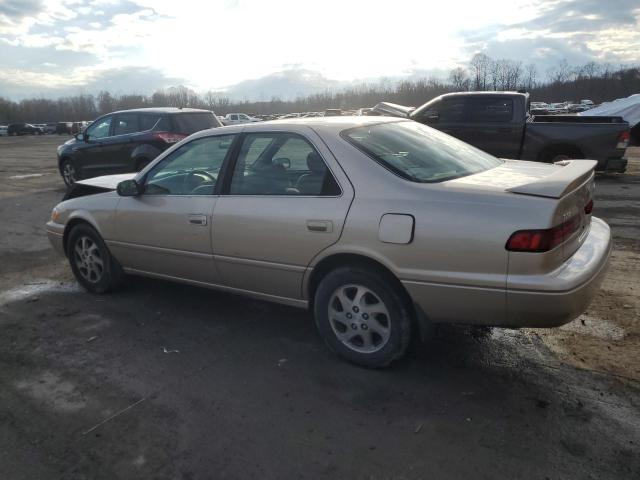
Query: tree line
[598,82]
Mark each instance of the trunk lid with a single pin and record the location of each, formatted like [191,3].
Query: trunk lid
[568,185]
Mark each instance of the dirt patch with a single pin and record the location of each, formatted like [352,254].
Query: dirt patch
[606,337]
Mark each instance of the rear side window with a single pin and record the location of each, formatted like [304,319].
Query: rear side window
[188,123]
[491,109]
[126,123]
[263,169]
[147,122]
[419,153]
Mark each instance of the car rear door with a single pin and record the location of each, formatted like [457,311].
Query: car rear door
[494,125]
[166,231]
[286,200]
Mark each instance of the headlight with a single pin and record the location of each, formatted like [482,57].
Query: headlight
[55,215]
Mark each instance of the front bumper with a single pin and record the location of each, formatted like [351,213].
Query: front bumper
[555,298]
[55,232]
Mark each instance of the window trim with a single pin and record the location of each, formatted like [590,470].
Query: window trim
[232,162]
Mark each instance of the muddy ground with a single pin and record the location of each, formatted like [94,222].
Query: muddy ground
[166,381]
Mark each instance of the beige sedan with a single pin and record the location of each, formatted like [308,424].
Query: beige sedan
[380,226]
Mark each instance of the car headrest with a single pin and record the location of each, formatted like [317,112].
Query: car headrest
[315,163]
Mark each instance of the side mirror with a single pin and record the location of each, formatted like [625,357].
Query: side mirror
[129,188]
[80,137]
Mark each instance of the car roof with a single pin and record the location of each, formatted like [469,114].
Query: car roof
[170,110]
[327,125]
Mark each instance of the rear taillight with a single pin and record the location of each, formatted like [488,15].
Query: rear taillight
[542,240]
[623,139]
[168,137]
[588,208]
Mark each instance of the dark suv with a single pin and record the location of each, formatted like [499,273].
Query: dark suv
[126,141]
[24,129]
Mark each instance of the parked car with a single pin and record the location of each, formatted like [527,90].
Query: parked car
[333,112]
[578,107]
[64,128]
[23,129]
[497,122]
[587,102]
[128,140]
[50,128]
[380,226]
[238,118]
[3,131]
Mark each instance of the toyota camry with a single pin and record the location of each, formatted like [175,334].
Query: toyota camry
[380,227]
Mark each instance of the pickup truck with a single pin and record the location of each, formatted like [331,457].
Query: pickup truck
[500,124]
[238,118]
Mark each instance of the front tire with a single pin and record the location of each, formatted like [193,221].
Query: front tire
[69,172]
[363,316]
[91,262]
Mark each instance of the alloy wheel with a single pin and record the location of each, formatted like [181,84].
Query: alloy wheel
[88,259]
[69,173]
[359,318]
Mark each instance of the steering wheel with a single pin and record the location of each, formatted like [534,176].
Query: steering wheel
[193,173]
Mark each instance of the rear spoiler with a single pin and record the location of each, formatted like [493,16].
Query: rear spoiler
[393,110]
[561,182]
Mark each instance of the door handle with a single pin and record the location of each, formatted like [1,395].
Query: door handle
[320,226]
[200,220]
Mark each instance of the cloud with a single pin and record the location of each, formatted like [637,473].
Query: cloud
[19,84]
[579,31]
[19,9]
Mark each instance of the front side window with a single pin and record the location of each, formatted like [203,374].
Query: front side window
[445,110]
[192,169]
[100,129]
[126,123]
[419,153]
[281,164]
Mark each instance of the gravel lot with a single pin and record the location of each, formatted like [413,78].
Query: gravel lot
[166,381]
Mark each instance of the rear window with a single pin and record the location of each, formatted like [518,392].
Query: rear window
[188,123]
[419,153]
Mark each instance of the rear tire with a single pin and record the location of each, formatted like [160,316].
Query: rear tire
[91,262]
[363,317]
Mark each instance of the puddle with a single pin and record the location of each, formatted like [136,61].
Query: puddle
[27,175]
[36,287]
[595,327]
[53,391]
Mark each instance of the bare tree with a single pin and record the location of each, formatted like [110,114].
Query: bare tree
[559,73]
[480,65]
[530,75]
[459,79]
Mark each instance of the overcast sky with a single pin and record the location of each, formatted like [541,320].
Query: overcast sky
[49,47]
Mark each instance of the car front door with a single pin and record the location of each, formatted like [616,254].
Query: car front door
[91,151]
[166,231]
[286,201]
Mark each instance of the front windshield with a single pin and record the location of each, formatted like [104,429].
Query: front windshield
[419,153]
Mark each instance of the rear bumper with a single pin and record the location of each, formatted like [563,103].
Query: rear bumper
[555,298]
[55,232]
[618,165]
